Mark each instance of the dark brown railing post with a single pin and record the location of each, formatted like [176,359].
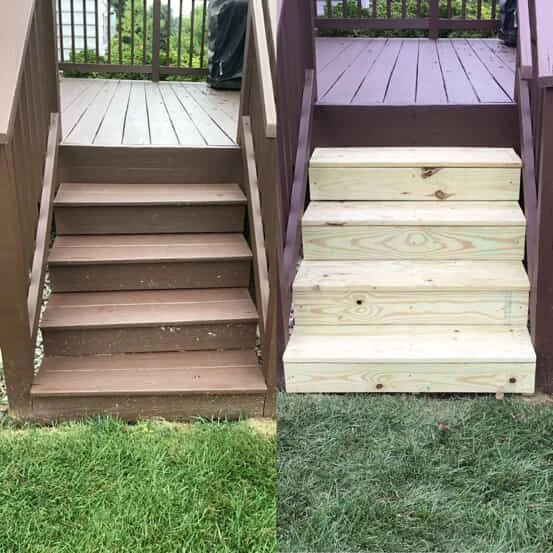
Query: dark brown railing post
[542,297]
[433,19]
[156,41]
[15,337]
[29,43]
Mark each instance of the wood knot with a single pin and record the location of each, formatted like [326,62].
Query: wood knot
[512,380]
[379,386]
[428,172]
[441,195]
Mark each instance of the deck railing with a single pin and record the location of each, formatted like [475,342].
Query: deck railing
[535,99]
[258,139]
[432,16]
[160,37]
[29,134]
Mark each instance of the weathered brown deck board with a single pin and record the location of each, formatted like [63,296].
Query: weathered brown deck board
[395,71]
[112,112]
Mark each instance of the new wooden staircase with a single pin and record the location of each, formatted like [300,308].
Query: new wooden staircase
[150,312]
[412,278]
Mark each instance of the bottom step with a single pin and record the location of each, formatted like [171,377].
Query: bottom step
[170,385]
[409,359]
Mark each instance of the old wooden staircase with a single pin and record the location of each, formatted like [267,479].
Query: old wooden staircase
[412,278]
[150,312]
[160,301]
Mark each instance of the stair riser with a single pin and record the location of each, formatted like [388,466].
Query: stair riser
[150,276]
[410,378]
[138,407]
[424,184]
[405,242]
[408,308]
[149,220]
[149,339]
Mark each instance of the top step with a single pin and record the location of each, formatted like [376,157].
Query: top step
[415,157]
[415,174]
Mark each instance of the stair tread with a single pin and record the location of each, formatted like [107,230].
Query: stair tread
[148,308]
[87,194]
[415,157]
[227,372]
[403,275]
[413,344]
[89,249]
[415,213]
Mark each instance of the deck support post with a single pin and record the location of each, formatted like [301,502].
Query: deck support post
[156,41]
[434,19]
[541,307]
[15,336]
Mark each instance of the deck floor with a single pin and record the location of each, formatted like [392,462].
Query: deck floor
[114,112]
[365,71]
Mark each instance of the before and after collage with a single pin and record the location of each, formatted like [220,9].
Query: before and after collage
[275,276]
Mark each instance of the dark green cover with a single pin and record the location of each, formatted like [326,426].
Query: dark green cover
[227,38]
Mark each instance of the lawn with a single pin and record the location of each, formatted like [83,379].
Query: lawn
[414,474]
[104,486]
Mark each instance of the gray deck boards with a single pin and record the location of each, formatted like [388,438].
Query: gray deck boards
[112,112]
[395,71]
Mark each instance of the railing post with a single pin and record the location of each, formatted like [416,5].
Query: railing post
[15,336]
[156,41]
[434,19]
[541,308]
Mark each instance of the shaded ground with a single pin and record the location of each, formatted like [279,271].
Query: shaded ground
[405,474]
[153,487]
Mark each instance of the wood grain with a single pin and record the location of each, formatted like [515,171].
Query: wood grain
[426,359]
[451,213]
[411,276]
[414,183]
[414,230]
[410,378]
[434,307]
[416,157]
[418,242]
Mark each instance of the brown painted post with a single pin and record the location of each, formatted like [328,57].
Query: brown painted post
[156,41]
[542,298]
[434,19]
[15,336]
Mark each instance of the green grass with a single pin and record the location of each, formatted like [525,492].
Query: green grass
[413,474]
[104,486]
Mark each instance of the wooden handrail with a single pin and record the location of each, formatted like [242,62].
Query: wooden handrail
[17,18]
[299,186]
[261,274]
[528,174]
[272,18]
[49,185]
[266,84]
